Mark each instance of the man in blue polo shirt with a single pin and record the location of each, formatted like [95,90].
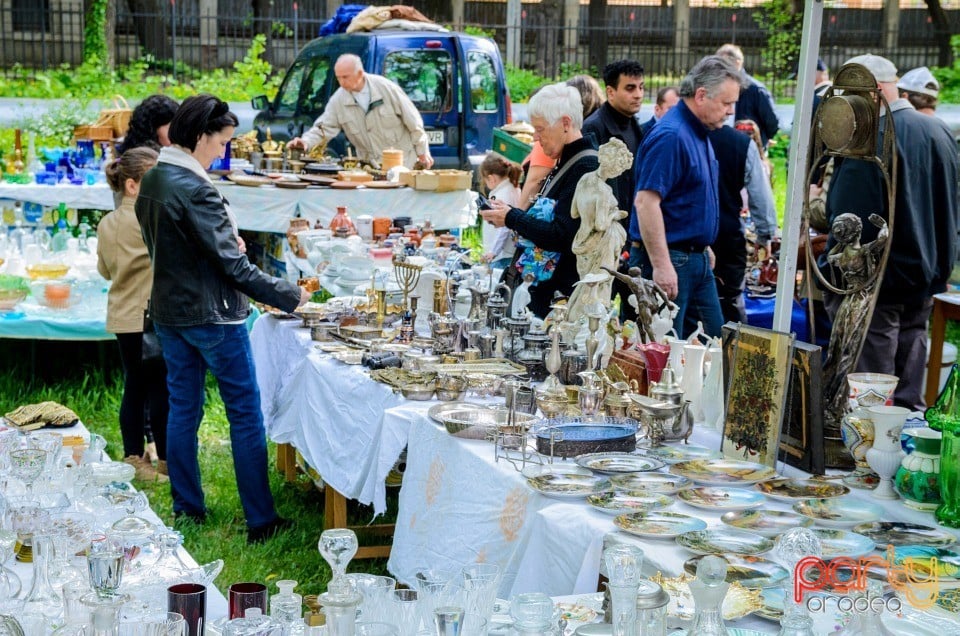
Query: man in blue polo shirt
[677,206]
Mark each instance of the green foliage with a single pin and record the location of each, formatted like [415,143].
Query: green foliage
[146,76]
[568,70]
[949,77]
[784,29]
[94,33]
[521,82]
[474,31]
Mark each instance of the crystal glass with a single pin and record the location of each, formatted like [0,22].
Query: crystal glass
[532,613]
[157,623]
[406,610]
[338,546]
[27,464]
[479,582]
[25,520]
[105,560]
[10,584]
[42,599]
[708,590]
[432,586]
[623,564]
[50,442]
[790,547]
[376,592]
[448,620]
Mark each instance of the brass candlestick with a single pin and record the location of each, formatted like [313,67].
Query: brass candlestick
[407,275]
[381,295]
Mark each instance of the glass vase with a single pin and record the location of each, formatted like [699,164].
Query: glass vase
[944,416]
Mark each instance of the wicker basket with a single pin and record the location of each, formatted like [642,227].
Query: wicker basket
[117,118]
[93,133]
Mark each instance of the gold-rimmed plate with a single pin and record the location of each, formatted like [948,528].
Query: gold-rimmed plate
[791,489]
[723,472]
[620,502]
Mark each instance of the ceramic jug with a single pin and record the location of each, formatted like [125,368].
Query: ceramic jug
[917,480]
[711,398]
[692,379]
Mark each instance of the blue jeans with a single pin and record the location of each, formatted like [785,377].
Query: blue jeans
[225,350]
[697,298]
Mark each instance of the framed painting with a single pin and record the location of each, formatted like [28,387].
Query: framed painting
[801,438]
[760,373]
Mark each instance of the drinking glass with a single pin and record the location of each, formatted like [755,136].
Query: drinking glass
[190,601]
[47,441]
[337,546]
[474,625]
[376,629]
[158,623]
[9,582]
[243,596]
[27,464]
[480,582]
[105,565]
[406,610]
[448,620]
[432,585]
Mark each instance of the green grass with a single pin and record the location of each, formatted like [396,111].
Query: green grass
[93,389]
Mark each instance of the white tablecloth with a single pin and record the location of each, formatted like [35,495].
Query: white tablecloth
[269,209]
[331,412]
[458,506]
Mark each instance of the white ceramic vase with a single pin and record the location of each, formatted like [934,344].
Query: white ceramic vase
[885,455]
[692,381]
[676,356]
[712,396]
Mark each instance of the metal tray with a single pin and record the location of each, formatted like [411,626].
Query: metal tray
[573,436]
[493,366]
[480,423]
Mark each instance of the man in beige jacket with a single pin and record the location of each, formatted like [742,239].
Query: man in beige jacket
[374,113]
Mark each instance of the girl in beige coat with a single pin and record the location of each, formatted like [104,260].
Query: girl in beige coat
[123,259]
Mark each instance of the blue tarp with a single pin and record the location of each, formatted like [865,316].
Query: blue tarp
[341,19]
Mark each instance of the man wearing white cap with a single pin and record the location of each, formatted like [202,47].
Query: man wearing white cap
[924,241]
[921,88]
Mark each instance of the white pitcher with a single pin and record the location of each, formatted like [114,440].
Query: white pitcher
[711,398]
[692,381]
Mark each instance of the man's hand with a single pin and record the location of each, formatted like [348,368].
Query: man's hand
[426,160]
[241,245]
[496,215]
[711,258]
[305,297]
[297,142]
[666,278]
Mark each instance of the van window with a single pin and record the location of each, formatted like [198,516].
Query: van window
[290,91]
[483,82]
[315,93]
[425,76]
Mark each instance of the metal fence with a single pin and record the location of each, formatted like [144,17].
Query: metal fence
[33,37]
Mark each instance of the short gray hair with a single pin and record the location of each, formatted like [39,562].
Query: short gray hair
[733,53]
[556,101]
[709,73]
[353,60]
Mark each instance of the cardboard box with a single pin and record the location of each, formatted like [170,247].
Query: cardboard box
[452,180]
[409,178]
[427,180]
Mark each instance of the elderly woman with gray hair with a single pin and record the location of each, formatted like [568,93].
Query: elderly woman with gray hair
[546,231]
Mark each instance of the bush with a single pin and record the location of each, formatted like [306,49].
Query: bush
[949,77]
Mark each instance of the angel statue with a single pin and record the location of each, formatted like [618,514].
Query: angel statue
[600,238]
[858,265]
[655,311]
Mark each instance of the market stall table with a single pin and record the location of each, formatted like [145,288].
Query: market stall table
[269,209]
[216,602]
[945,307]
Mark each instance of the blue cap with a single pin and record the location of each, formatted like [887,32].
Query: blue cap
[821,65]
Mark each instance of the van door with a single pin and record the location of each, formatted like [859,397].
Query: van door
[424,67]
[484,95]
[300,99]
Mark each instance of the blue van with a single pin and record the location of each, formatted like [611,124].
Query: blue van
[455,80]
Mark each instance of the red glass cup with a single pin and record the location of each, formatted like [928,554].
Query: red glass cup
[243,596]
[190,601]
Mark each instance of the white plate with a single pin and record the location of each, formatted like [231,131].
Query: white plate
[843,512]
[720,498]
[681,453]
[618,463]
[568,486]
[835,542]
[723,472]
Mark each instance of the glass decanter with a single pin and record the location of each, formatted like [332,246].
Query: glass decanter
[623,564]
[790,547]
[286,607]
[338,546]
[709,589]
[42,600]
[944,416]
[10,584]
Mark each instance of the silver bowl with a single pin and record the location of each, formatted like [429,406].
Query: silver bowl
[482,422]
[420,392]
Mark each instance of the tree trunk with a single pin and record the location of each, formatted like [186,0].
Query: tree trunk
[152,30]
[597,23]
[262,17]
[941,33]
[551,14]
[110,34]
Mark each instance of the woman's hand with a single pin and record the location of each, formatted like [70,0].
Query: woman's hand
[241,244]
[305,297]
[496,215]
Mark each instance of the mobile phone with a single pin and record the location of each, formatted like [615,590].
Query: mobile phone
[483,203]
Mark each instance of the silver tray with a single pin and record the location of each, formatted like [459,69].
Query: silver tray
[480,423]
[492,366]
[437,411]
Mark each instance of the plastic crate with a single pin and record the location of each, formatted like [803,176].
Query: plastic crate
[509,146]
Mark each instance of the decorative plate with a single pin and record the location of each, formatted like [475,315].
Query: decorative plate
[316,180]
[650,482]
[289,184]
[921,559]
[681,453]
[349,357]
[738,602]
[897,533]
[568,486]
[910,621]
[841,513]
[769,523]
[618,463]
[749,571]
[437,411]
[345,185]
[843,543]
[658,525]
[789,489]
[720,498]
[723,472]
[249,179]
[539,470]
[621,501]
[725,541]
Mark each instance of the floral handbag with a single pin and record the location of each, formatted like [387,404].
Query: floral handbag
[532,260]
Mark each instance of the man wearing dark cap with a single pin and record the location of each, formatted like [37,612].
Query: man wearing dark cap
[923,245]
[821,82]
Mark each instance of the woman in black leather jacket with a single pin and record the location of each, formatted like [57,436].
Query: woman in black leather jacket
[199,305]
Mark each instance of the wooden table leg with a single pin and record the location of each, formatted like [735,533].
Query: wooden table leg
[335,516]
[938,327]
[287,461]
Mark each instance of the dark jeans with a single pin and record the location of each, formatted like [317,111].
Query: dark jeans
[225,350]
[697,297]
[896,343]
[145,398]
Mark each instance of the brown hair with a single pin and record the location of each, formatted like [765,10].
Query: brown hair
[497,165]
[920,100]
[591,96]
[132,164]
